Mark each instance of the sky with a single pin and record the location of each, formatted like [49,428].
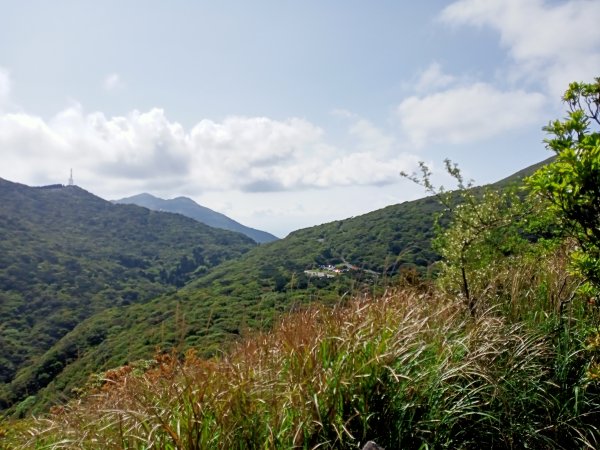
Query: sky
[283,114]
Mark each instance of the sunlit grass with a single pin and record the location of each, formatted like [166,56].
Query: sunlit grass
[408,369]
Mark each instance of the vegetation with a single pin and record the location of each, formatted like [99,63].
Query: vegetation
[571,183]
[66,255]
[501,350]
[246,293]
[84,279]
[410,369]
[214,308]
[218,306]
[571,186]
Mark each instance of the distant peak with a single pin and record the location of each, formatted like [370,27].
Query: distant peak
[188,207]
[184,199]
[142,196]
[145,194]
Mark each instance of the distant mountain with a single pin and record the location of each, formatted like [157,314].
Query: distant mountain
[189,208]
[66,255]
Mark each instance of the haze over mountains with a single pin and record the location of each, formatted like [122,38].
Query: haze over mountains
[86,285]
[188,207]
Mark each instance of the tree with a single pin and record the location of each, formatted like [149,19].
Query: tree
[571,183]
[477,231]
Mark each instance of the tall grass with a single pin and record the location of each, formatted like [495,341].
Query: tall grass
[410,369]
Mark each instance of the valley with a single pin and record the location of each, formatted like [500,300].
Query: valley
[108,284]
[130,297]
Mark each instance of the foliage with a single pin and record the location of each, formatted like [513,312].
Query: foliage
[93,257]
[217,305]
[478,232]
[417,367]
[571,183]
[220,305]
[66,255]
[410,369]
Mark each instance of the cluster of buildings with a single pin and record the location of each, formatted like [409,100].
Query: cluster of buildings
[329,270]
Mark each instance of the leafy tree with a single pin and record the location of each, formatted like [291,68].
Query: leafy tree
[477,232]
[571,183]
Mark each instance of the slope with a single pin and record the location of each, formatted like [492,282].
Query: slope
[189,208]
[66,255]
[250,291]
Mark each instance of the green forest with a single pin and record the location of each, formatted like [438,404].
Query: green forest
[67,255]
[467,319]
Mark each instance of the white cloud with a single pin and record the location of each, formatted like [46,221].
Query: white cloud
[250,152]
[433,78]
[469,113]
[551,43]
[361,168]
[147,151]
[366,136]
[370,138]
[113,82]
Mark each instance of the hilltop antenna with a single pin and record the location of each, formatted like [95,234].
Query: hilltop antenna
[71,183]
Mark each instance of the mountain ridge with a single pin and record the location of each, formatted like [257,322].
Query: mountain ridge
[188,207]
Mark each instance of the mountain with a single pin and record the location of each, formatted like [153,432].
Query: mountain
[249,291]
[245,293]
[189,208]
[242,293]
[66,255]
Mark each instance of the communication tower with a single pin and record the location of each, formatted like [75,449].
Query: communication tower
[71,183]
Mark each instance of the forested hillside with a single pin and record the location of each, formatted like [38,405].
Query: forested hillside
[66,255]
[110,283]
[249,292]
[246,293]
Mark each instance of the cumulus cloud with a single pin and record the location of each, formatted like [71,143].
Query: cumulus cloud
[553,43]
[468,113]
[370,138]
[251,153]
[549,45]
[433,78]
[146,150]
[362,168]
[112,82]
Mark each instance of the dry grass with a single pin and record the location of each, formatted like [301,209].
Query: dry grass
[410,369]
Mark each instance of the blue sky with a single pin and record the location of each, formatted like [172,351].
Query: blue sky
[283,114]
